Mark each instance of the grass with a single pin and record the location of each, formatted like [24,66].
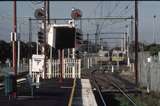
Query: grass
[144,99]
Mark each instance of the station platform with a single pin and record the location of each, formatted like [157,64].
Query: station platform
[50,93]
[70,92]
[83,94]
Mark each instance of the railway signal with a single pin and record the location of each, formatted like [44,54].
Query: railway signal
[39,13]
[76,14]
[79,36]
[41,37]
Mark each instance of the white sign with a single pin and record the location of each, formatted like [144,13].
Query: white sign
[13,36]
[51,34]
[149,59]
[70,64]
[51,37]
[37,63]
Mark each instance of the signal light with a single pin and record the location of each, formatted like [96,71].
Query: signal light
[40,37]
[79,38]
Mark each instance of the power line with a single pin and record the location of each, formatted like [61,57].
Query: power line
[109,14]
[115,7]
[125,8]
[36,2]
[94,10]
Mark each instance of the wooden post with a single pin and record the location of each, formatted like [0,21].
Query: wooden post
[61,64]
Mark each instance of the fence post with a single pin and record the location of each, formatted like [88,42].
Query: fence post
[112,69]
[91,61]
[87,63]
[73,68]
[64,65]
[149,76]
[37,80]
[79,68]
[30,67]
[49,68]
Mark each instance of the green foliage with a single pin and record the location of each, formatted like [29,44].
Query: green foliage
[125,102]
[26,49]
[5,50]
[153,48]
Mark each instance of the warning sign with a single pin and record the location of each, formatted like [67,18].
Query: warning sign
[37,63]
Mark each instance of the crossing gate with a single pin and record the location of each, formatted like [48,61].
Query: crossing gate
[71,69]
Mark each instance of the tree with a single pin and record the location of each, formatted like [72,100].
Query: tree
[153,49]
[5,50]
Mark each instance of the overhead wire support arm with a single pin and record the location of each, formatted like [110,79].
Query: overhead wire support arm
[110,18]
[106,33]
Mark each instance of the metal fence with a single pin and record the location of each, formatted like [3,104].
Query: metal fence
[149,72]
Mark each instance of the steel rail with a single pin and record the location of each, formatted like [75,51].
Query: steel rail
[125,94]
[103,18]
[122,91]
[98,89]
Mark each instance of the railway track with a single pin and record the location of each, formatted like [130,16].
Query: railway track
[111,82]
[98,88]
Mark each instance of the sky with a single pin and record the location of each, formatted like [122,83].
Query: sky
[90,9]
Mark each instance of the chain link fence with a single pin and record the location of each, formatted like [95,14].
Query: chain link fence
[149,72]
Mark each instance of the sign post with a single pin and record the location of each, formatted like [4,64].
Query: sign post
[37,67]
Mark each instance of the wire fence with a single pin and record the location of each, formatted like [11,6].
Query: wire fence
[149,72]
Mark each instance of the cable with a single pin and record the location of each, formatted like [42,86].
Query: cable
[36,2]
[131,8]
[116,5]
[109,14]
[125,8]
[114,8]
[94,10]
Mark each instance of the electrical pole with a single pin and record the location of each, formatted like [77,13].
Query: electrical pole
[132,26]
[44,45]
[30,39]
[136,42]
[154,29]
[97,37]
[131,39]
[88,43]
[19,47]
[14,60]
[48,11]
[48,19]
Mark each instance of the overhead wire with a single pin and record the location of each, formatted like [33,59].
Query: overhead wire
[127,11]
[124,8]
[109,13]
[36,2]
[121,21]
[94,10]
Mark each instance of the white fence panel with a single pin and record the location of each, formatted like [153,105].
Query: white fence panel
[72,69]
